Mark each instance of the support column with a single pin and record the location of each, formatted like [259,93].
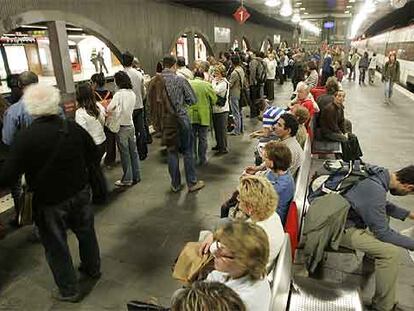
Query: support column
[59,49]
[5,60]
[190,48]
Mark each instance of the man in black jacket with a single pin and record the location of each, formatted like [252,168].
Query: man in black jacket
[55,155]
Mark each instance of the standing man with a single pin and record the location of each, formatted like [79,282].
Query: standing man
[94,59]
[237,80]
[257,79]
[137,80]
[55,155]
[101,60]
[178,95]
[15,119]
[367,227]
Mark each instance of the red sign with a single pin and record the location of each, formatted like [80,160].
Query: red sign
[241,15]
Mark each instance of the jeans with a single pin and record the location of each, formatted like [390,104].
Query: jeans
[129,156]
[388,85]
[76,214]
[362,75]
[140,133]
[186,149]
[235,111]
[220,129]
[200,133]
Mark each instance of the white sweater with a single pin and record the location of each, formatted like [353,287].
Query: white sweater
[94,126]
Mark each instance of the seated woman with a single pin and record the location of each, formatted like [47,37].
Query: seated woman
[303,116]
[257,201]
[201,296]
[278,158]
[240,258]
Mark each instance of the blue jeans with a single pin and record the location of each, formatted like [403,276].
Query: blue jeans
[129,155]
[388,85]
[186,149]
[200,133]
[235,111]
[76,214]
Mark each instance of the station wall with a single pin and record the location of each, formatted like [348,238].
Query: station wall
[147,28]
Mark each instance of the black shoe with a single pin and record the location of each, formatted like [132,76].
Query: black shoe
[221,152]
[215,148]
[71,298]
[143,157]
[92,275]
[134,182]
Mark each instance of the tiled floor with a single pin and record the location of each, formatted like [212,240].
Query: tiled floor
[143,228]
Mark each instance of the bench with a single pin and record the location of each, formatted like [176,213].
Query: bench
[324,146]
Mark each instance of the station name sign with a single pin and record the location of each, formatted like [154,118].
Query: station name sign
[221,35]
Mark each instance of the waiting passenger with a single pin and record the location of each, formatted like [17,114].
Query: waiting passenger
[203,296]
[221,109]
[271,65]
[313,77]
[182,69]
[332,120]
[200,115]
[368,229]
[237,83]
[240,258]
[124,102]
[372,68]
[390,75]
[303,98]
[91,116]
[257,201]
[331,88]
[54,155]
[363,66]
[303,116]
[137,82]
[180,94]
[103,96]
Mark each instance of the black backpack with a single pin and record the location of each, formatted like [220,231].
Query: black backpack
[337,176]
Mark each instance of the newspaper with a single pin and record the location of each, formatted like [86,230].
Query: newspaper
[409,232]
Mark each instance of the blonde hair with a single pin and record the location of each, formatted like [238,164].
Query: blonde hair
[258,193]
[249,244]
[220,68]
[202,296]
[302,114]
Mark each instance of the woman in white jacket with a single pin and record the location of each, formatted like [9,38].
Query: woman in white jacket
[271,65]
[221,113]
[91,115]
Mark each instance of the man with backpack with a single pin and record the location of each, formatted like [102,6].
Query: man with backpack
[257,79]
[367,228]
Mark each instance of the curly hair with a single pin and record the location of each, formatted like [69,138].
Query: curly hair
[279,154]
[302,114]
[202,296]
[258,193]
[250,245]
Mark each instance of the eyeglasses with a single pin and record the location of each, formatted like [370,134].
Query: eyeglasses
[219,252]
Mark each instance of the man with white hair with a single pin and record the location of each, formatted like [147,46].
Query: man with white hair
[55,154]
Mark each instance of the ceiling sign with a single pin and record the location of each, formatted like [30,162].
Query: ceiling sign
[221,35]
[241,15]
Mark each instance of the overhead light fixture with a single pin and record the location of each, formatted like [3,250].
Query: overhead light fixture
[308,26]
[298,3]
[302,9]
[286,9]
[346,12]
[306,13]
[351,1]
[272,3]
[349,6]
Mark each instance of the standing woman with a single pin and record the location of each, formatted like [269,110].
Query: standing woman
[271,65]
[104,97]
[221,108]
[390,75]
[123,104]
[91,115]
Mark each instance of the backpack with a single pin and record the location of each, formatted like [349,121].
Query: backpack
[104,101]
[261,74]
[337,177]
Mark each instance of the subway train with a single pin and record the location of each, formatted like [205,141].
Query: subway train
[400,40]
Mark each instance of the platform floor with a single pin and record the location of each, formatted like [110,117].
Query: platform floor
[142,230]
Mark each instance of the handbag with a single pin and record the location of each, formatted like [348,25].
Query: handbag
[25,213]
[222,100]
[189,266]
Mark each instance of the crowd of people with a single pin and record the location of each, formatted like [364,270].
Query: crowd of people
[183,104]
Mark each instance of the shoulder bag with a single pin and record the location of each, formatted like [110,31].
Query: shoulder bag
[221,100]
[244,98]
[25,213]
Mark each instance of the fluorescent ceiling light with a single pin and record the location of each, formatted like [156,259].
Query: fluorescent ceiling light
[302,9]
[298,3]
[286,9]
[310,27]
[349,6]
[306,13]
[346,12]
[272,3]
[296,18]
[351,1]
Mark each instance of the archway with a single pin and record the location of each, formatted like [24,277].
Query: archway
[266,45]
[245,44]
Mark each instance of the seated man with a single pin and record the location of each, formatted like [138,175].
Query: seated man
[331,88]
[367,228]
[286,129]
[270,116]
[332,120]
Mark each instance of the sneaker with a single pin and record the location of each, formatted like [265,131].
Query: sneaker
[120,183]
[72,298]
[197,186]
[176,189]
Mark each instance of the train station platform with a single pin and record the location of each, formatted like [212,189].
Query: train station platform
[144,227]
